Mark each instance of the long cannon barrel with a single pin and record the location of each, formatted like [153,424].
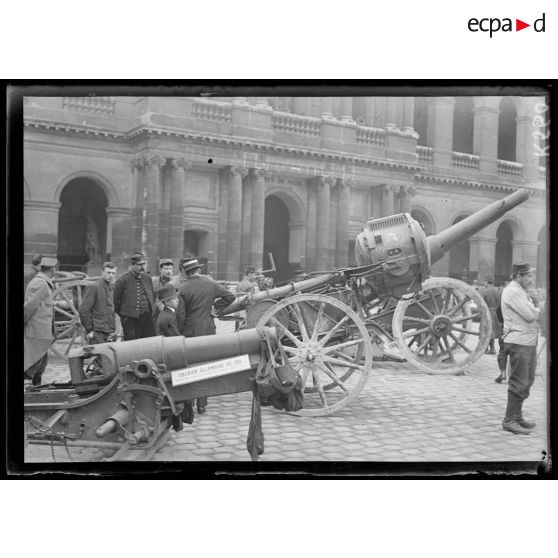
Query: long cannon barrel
[173,352]
[280,292]
[440,243]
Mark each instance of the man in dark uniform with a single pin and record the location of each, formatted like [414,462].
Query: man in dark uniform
[492,298]
[198,294]
[521,310]
[166,321]
[134,300]
[96,312]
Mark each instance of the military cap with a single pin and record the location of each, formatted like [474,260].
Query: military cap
[191,264]
[168,291]
[137,258]
[48,262]
[165,261]
[522,268]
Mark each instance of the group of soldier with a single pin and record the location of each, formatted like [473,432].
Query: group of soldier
[183,304]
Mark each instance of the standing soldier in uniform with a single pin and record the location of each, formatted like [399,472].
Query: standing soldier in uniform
[521,311]
[96,312]
[134,300]
[38,317]
[198,294]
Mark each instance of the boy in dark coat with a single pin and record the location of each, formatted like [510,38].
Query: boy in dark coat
[166,321]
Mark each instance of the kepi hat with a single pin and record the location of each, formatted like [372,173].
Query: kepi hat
[166,292]
[137,258]
[191,264]
[165,261]
[48,262]
[522,269]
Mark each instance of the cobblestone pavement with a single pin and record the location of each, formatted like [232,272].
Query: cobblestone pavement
[400,415]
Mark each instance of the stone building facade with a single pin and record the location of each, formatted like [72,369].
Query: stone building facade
[232,179]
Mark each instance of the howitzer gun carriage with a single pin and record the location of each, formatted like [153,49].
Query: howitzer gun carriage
[391,298]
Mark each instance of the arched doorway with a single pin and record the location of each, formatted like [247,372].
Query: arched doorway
[276,236]
[541,258]
[424,220]
[82,226]
[459,258]
[195,244]
[507,129]
[504,253]
[463,119]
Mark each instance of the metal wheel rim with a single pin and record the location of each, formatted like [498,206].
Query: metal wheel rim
[321,365]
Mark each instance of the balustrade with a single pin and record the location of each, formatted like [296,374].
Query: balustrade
[465,160]
[510,167]
[212,110]
[425,154]
[90,105]
[296,123]
[374,136]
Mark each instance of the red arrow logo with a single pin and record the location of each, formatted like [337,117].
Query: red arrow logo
[519,25]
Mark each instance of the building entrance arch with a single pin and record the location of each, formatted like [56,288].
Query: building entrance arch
[82,226]
[277,236]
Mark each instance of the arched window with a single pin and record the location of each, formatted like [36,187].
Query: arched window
[507,130]
[504,253]
[463,120]
[421,118]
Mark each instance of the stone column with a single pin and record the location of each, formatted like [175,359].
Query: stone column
[342,233]
[388,200]
[257,216]
[440,130]
[375,206]
[40,227]
[482,256]
[322,227]
[164,212]
[485,135]
[152,174]
[408,113]
[245,228]
[391,112]
[234,227]
[525,251]
[309,262]
[406,193]
[347,109]
[119,245]
[136,224]
[179,169]
[327,108]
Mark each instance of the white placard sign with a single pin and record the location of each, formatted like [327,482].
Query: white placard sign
[210,370]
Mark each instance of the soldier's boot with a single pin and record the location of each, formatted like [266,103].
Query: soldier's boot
[502,377]
[525,423]
[513,413]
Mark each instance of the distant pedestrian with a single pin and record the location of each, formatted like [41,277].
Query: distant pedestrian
[198,294]
[35,268]
[520,310]
[96,311]
[167,324]
[38,319]
[134,300]
[491,296]
[248,283]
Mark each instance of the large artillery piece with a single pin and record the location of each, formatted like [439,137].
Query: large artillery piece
[440,325]
[123,398]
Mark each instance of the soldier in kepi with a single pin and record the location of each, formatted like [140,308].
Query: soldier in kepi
[198,294]
[134,300]
[38,317]
[520,309]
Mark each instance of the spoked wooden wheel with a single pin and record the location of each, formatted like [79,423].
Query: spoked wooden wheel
[68,331]
[437,331]
[329,346]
